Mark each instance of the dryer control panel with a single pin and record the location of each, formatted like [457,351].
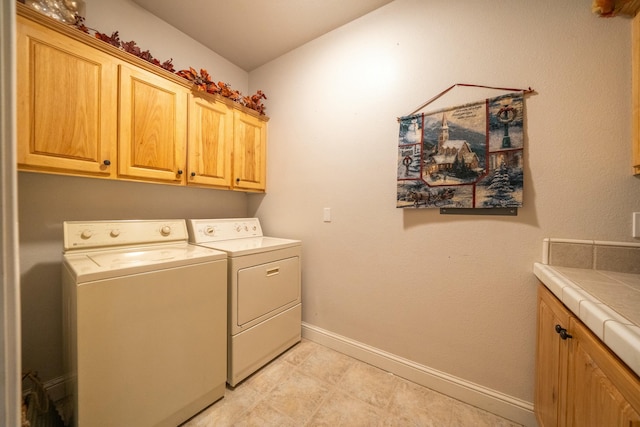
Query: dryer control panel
[100,234]
[215,230]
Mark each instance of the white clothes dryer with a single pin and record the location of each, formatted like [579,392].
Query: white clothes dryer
[144,322]
[264,279]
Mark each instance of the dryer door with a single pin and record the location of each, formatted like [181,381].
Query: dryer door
[267,288]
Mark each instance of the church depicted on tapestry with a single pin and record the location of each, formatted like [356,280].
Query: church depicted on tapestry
[465,156]
[449,156]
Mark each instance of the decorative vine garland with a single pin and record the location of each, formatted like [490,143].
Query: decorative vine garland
[202,81]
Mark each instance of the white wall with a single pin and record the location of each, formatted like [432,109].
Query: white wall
[163,41]
[45,201]
[453,293]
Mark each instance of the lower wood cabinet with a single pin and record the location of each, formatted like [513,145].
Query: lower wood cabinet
[579,381]
[601,390]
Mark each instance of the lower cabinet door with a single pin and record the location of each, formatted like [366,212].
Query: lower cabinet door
[592,398]
[551,361]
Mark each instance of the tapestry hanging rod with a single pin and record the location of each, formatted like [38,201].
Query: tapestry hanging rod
[525,91]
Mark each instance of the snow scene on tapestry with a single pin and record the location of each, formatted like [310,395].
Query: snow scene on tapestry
[468,156]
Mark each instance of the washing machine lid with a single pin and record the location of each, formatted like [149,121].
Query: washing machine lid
[251,245]
[103,264]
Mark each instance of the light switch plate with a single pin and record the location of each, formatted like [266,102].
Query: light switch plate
[327,214]
[636,224]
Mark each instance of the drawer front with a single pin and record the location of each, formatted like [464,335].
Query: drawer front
[267,287]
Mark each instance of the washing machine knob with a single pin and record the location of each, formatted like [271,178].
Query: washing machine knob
[115,232]
[165,231]
[210,231]
[86,234]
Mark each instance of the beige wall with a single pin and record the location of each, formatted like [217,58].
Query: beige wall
[453,293]
[47,200]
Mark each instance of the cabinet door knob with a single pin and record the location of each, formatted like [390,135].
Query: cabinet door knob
[193,174]
[179,171]
[107,162]
[563,332]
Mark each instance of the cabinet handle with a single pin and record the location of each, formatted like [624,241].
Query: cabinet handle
[107,162]
[273,271]
[193,174]
[179,171]
[563,332]
[237,179]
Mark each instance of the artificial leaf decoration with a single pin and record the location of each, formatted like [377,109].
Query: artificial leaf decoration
[146,55]
[227,92]
[79,24]
[189,74]
[131,48]
[254,103]
[168,65]
[202,81]
[114,39]
[204,74]
[212,88]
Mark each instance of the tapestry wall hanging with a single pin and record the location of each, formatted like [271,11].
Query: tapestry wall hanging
[468,156]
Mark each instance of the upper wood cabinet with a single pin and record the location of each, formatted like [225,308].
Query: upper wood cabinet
[87,108]
[210,142]
[249,152]
[153,127]
[579,381]
[67,100]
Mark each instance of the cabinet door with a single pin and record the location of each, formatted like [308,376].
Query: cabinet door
[153,127]
[601,390]
[249,152]
[67,103]
[551,361]
[210,142]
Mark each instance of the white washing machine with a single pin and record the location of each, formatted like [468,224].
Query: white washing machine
[265,310]
[144,323]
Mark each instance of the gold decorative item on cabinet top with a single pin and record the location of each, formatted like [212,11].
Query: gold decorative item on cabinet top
[61,10]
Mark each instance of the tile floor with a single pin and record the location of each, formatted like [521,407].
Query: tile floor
[312,385]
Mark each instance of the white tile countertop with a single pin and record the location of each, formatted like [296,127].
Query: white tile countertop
[606,301]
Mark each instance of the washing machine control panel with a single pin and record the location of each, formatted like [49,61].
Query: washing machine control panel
[100,234]
[213,230]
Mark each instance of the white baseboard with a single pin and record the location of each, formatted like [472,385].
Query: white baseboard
[484,398]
